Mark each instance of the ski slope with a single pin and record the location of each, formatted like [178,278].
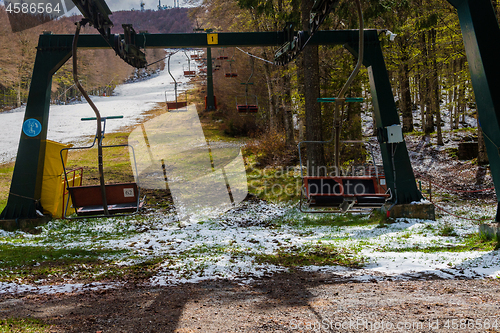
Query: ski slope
[130,100]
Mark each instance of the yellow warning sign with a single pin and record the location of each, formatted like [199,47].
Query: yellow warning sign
[213,39]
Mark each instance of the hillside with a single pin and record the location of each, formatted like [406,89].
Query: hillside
[18,51]
[165,21]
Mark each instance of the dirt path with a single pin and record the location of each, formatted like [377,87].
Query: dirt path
[301,302]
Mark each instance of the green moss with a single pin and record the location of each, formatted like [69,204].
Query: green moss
[452,152]
[447,231]
[23,325]
[318,255]
[332,220]
[32,263]
[472,242]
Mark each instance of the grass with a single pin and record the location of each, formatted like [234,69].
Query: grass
[213,133]
[464,129]
[23,325]
[416,133]
[72,231]
[495,239]
[447,231]
[117,165]
[318,255]
[279,184]
[32,263]
[331,220]
[6,171]
[471,242]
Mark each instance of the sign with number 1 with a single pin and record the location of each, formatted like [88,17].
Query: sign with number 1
[213,39]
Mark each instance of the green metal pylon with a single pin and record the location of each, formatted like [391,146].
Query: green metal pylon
[26,186]
[481,36]
[399,176]
[210,81]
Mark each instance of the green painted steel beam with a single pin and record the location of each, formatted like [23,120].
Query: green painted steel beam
[198,40]
[399,176]
[26,186]
[481,35]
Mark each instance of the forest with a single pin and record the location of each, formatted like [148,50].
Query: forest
[100,70]
[426,62]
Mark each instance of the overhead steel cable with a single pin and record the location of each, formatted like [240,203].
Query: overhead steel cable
[251,55]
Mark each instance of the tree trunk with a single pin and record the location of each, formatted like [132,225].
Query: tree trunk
[269,83]
[435,87]
[352,124]
[453,95]
[301,92]
[287,110]
[405,104]
[421,96]
[461,104]
[429,121]
[482,156]
[18,102]
[310,56]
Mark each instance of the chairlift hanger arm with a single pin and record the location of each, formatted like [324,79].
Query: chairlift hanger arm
[97,12]
[319,12]
[99,133]
[295,43]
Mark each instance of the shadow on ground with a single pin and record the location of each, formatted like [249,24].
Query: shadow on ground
[287,302]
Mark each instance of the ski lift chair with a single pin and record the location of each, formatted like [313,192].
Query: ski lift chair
[106,199]
[101,200]
[189,72]
[343,193]
[248,107]
[175,105]
[354,192]
[231,73]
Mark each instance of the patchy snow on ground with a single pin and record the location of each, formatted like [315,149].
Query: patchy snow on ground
[228,247]
[14,288]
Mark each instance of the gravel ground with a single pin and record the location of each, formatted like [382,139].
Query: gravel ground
[299,302]
[289,302]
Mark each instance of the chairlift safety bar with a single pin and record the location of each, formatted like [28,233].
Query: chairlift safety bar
[335,99]
[102,118]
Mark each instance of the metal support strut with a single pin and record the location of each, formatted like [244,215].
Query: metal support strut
[97,115]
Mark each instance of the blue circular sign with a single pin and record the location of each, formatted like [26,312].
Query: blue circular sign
[32,127]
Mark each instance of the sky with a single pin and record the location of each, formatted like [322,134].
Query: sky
[116,5]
